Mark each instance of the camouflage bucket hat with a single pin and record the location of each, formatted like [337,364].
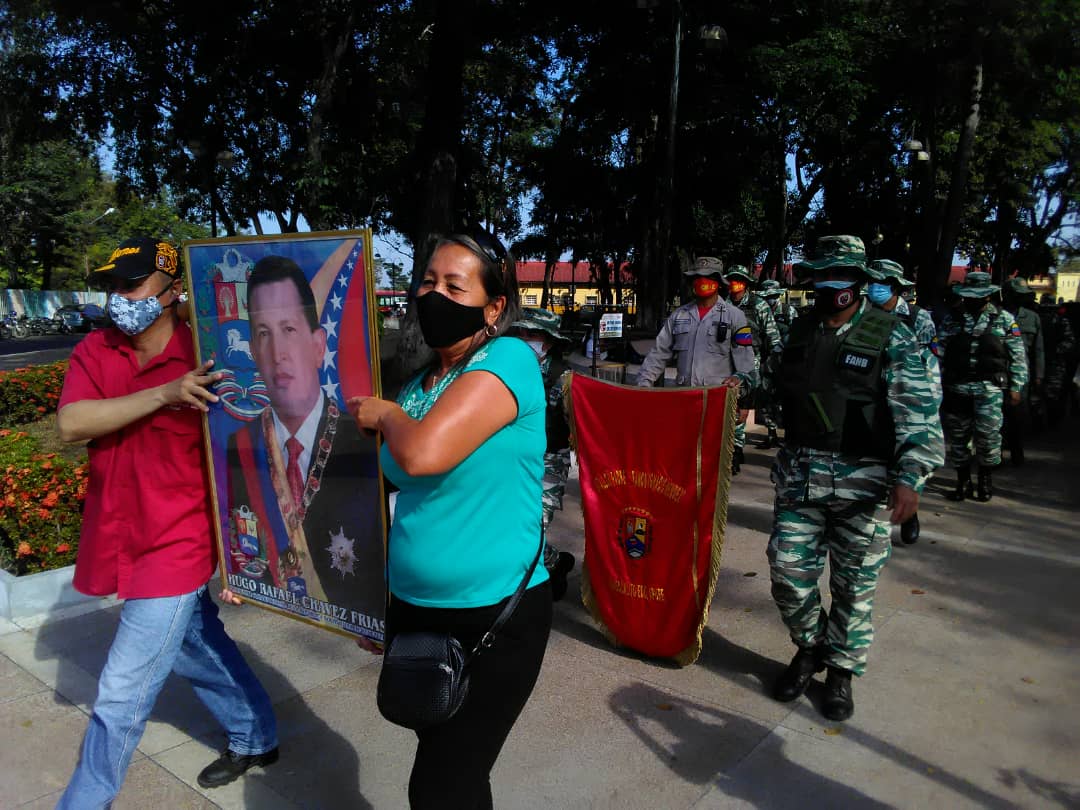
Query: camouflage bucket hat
[888,270]
[738,273]
[706,266]
[835,251]
[976,284]
[539,320]
[1018,286]
[770,289]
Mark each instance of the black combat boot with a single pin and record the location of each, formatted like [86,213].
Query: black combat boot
[985,490]
[839,704]
[963,485]
[736,460]
[909,530]
[794,680]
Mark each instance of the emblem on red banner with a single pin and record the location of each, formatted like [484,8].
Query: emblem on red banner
[635,532]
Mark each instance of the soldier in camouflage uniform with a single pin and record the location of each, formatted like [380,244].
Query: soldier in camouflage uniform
[783,313]
[709,337]
[981,351]
[887,283]
[1060,352]
[861,432]
[767,345]
[540,329]
[1019,298]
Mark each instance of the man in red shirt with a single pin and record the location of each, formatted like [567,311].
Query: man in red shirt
[133,392]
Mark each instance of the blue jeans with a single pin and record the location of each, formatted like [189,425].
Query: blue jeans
[181,634]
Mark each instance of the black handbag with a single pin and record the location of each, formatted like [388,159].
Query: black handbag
[425,675]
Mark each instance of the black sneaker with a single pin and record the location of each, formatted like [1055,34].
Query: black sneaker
[794,680]
[839,704]
[737,459]
[230,766]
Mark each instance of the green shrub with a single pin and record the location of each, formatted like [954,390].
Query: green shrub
[27,394]
[41,498]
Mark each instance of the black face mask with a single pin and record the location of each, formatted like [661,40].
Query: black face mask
[831,300]
[444,322]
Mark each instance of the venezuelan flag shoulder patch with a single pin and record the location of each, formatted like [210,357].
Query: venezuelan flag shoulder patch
[1014,329]
[935,346]
[743,336]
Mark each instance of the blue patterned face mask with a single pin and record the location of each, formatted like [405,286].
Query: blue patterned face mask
[135,317]
[879,293]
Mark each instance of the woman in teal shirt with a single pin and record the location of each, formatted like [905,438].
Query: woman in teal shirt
[465,445]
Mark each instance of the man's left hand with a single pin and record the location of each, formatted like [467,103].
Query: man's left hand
[230,598]
[731,382]
[1014,399]
[904,503]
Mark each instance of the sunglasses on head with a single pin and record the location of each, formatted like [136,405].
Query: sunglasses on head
[489,245]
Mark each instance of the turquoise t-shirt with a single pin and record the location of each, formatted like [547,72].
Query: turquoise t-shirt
[465,538]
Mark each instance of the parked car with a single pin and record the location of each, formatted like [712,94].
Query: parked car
[82,317]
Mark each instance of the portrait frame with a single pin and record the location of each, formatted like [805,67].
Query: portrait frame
[303,536]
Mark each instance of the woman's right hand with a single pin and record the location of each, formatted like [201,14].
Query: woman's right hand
[370,411]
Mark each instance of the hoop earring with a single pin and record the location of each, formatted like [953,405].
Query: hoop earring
[491,330]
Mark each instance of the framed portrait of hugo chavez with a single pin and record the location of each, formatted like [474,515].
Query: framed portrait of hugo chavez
[290,320]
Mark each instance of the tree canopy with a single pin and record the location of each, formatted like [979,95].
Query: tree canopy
[645,132]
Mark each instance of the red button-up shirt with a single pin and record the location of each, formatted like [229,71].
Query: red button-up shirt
[147,518]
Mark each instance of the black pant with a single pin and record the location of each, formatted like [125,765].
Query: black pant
[454,760]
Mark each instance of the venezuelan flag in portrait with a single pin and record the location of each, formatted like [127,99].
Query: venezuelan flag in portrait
[289,323]
[655,508]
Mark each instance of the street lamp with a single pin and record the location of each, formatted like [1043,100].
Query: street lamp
[102,215]
[98,218]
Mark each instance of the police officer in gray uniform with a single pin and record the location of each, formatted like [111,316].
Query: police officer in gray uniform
[709,337]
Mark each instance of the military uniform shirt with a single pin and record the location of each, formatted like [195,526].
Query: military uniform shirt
[807,474]
[926,336]
[703,357]
[1000,323]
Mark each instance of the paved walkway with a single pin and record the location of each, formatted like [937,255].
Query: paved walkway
[972,697]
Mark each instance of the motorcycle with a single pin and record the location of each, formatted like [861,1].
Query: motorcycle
[15,327]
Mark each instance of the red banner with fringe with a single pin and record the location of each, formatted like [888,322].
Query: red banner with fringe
[655,470]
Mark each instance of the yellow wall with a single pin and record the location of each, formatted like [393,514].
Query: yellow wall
[1068,285]
[531,296]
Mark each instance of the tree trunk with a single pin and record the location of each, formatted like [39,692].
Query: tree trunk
[954,206]
[437,155]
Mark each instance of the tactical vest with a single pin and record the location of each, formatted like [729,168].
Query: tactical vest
[832,387]
[991,358]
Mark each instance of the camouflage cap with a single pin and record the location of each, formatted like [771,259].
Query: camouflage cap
[976,284]
[539,320]
[835,251]
[1018,286]
[770,288]
[888,270]
[706,266]
[738,273]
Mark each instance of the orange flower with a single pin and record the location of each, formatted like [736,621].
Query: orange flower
[63,548]
[24,550]
[51,499]
[46,465]
[43,514]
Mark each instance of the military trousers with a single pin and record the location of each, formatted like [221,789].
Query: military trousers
[856,542]
[827,507]
[971,416]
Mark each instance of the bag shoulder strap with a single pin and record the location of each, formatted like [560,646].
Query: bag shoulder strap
[488,639]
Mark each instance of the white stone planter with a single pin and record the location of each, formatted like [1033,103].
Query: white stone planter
[44,592]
